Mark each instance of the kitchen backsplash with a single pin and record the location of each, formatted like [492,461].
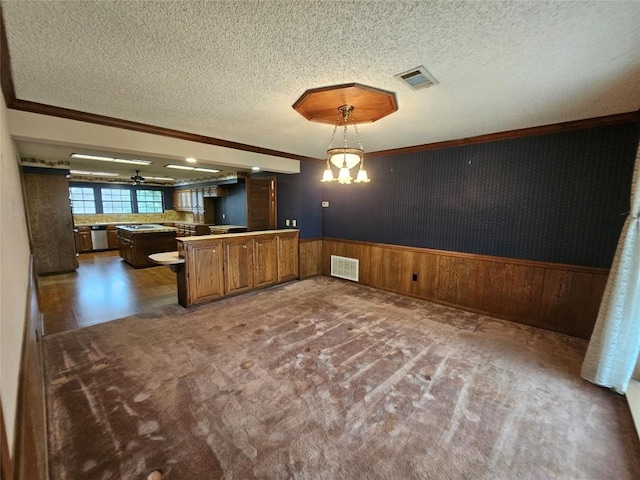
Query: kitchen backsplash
[167,216]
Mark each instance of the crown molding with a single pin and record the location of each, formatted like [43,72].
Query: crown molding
[629,117]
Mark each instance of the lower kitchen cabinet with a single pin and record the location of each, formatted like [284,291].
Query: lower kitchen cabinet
[229,264]
[83,239]
[204,274]
[287,257]
[238,261]
[265,266]
[112,237]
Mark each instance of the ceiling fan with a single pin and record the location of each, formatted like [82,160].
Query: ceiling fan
[137,179]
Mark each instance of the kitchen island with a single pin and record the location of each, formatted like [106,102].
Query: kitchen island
[137,242]
[217,266]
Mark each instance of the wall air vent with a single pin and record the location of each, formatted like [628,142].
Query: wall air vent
[344,267]
[417,78]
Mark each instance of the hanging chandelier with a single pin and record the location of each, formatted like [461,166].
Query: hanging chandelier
[319,104]
[345,158]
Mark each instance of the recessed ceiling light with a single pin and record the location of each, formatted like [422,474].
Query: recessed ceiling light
[191,160]
[255,169]
[100,174]
[109,159]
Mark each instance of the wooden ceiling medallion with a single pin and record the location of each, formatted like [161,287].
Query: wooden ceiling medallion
[369,103]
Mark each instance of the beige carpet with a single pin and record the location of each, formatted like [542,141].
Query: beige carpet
[326,379]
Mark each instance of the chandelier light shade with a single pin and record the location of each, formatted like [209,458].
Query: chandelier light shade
[345,158]
[371,104]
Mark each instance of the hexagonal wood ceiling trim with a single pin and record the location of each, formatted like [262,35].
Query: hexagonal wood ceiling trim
[369,103]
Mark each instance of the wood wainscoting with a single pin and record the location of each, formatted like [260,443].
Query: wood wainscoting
[310,257]
[29,460]
[557,297]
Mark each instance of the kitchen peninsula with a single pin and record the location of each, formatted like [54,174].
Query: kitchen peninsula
[137,242]
[221,265]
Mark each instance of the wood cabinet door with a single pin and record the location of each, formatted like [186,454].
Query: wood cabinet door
[265,263]
[185,199]
[112,238]
[177,201]
[204,273]
[238,258]
[287,256]
[84,241]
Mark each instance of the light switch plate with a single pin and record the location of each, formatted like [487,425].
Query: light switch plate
[294,223]
[325,204]
[287,222]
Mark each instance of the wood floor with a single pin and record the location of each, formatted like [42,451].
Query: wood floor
[103,288]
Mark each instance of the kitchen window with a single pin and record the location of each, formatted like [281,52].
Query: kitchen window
[149,201]
[82,200]
[116,200]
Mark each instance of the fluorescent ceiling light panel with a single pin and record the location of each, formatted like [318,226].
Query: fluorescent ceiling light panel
[110,159]
[197,169]
[179,167]
[100,174]
[161,178]
[191,160]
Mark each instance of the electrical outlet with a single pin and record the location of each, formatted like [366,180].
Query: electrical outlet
[287,223]
[294,223]
[224,216]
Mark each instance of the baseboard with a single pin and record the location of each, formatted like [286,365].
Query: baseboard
[633,398]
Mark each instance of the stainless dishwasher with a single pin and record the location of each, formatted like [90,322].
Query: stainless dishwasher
[99,238]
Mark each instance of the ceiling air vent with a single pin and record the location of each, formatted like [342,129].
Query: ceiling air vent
[418,78]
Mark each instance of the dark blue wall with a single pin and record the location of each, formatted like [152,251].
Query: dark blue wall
[557,197]
[233,206]
[300,197]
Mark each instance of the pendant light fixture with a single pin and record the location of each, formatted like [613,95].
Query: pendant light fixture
[345,158]
[371,104]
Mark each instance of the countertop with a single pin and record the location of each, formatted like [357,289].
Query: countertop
[234,235]
[166,258]
[146,228]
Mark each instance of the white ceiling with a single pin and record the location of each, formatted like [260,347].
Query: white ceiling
[233,69]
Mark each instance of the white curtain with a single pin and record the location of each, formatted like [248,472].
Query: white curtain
[615,343]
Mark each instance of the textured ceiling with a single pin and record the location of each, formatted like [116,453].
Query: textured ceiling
[233,69]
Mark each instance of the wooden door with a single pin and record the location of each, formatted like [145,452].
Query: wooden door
[261,203]
[50,221]
[238,258]
[287,256]
[265,264]
[204,273]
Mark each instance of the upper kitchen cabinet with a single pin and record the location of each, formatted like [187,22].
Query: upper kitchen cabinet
[50,221]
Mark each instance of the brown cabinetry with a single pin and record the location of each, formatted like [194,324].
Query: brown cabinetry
[265,267]
[214,191]
[287,256]
[238,261]
[203,273]
[135,247]
[235,263]
[83,239]
[112,237]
